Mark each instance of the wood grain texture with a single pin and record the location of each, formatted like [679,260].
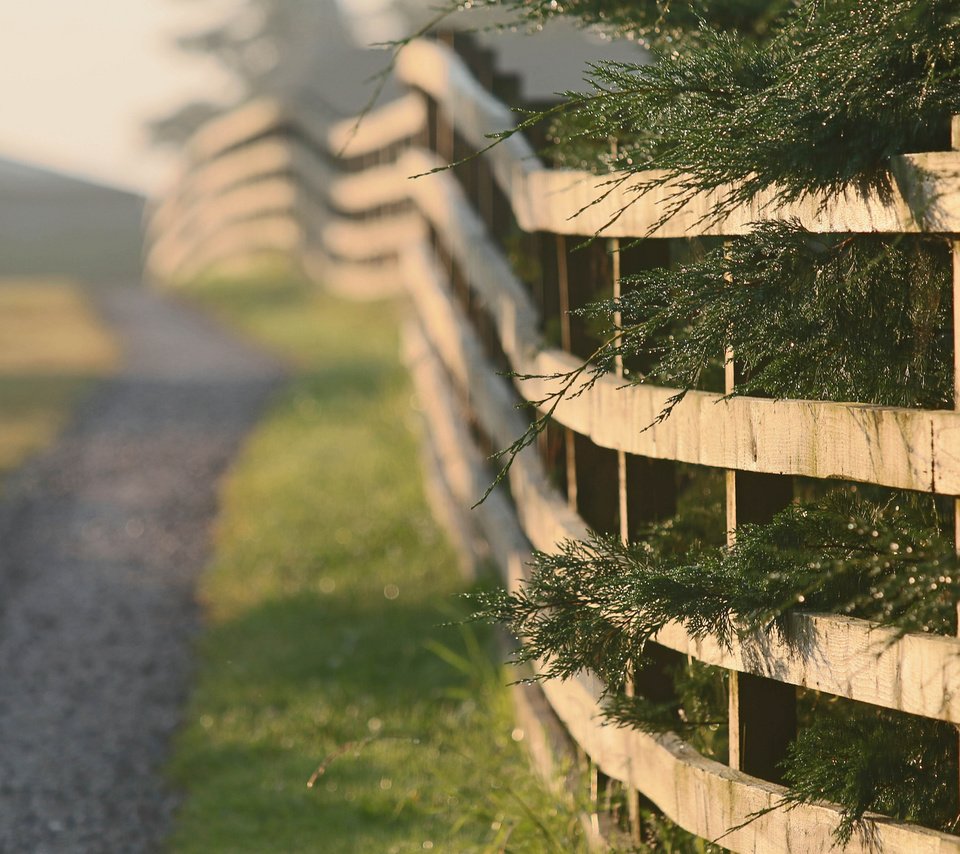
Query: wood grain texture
[708,798]
[902,448]
[925,197]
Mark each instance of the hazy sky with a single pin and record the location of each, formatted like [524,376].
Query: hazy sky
[78,79]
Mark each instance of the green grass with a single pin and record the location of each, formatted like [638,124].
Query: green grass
[326,599]
[52,347]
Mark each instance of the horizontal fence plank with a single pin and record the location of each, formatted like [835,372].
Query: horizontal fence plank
[271,195]
[363,191]
[924,196]
[201,199]
[387,125]
[176,258]
[916,673]
[271,234]
[702,796]
[267,158]
[708,798]
[360,240]
[353,280]
[237,127]
[902,448]
[229,150]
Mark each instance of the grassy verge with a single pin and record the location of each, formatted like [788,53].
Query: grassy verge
[325,649]
[51,347]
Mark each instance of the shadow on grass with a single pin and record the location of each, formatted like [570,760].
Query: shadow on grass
[328,596]
[358,646]
[403,737]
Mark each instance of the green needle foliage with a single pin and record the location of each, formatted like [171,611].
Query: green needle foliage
[666,22]
[874,760]
[595,604]
[862,318]
[785,101]
[699,710]
[822,106]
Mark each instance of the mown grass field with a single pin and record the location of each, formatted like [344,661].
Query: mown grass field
[326,646]
[51,347]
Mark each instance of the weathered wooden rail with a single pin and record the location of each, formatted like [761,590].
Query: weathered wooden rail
[340,201]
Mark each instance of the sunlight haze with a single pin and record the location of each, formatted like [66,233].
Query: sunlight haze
[80,80]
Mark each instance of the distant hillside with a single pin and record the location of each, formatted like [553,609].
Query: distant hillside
[51,223]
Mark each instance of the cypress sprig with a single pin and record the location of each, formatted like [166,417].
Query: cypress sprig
[859,318]
[698,712]
[595,604]
[874,760]
[663,22]
[818,104]
[821,107]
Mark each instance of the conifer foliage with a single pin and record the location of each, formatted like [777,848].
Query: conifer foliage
[872,760]
[784,99]
[856,318]
[821,106]
[595,604]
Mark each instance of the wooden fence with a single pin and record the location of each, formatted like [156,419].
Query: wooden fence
[485,253]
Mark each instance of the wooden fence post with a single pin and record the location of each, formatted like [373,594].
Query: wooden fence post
[955,252]
[566,343]
[763,712]
[633,795]
[647,492]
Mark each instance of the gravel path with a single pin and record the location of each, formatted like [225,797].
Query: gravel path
[101,542]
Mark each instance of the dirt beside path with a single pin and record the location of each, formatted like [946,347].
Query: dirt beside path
[101,541]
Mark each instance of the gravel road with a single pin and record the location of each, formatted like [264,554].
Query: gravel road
[101,541]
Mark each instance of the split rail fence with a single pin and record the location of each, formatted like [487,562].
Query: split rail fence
[487,253]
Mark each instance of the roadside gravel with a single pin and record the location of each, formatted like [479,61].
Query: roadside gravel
[102,538]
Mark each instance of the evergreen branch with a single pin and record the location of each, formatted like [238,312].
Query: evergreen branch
[863,318]
[652,22]
[874,760]
[794,116]
[595,604]
[858,318]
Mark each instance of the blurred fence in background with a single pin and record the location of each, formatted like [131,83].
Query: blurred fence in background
[487,253]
